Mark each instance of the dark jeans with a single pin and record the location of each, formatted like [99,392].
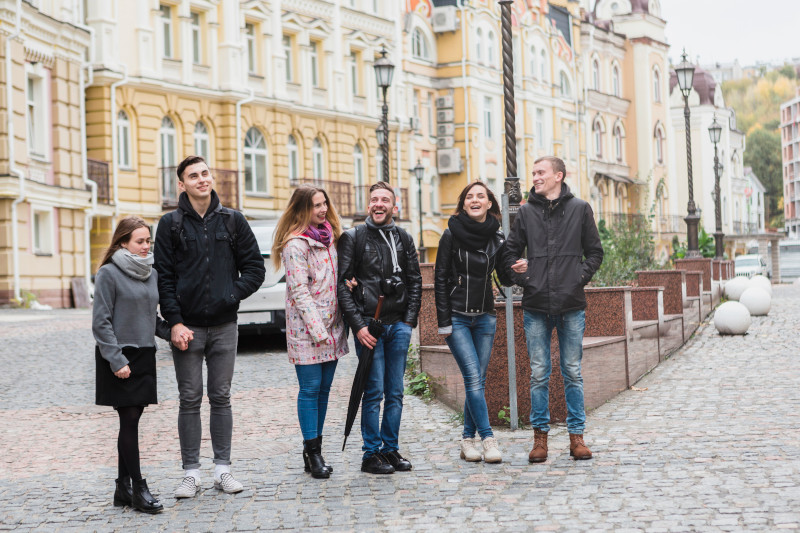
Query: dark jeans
[312,398]
[217,346]
[385,383]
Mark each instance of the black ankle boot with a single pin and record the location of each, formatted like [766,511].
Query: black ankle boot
[143,500]
[328,467]
[123,494]
[314,463]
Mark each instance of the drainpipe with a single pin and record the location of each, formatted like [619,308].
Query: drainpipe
[89,213]
[239,161]
[115,141]
[467,140]
[11,168]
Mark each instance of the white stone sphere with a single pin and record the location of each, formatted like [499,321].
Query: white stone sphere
[763,282]
[735,287]
[756,300]
[732,318]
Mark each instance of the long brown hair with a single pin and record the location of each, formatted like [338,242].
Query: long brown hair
[122,235]
[494,210]
[297,217]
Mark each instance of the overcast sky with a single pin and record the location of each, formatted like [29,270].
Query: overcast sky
[724,30]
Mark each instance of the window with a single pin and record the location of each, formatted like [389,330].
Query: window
[415,104]
[434,194]
[355,82]
[38,121]
[428,108]
[317,161]
[287,53]
[490,57]
[566,92]
[42,232]
[540,128]
[167,137]
[517,60]
[166,30]
[291,149]
[379,164]
[250,35]
[123,140]
[597,131]
[618,142]
[358,174]
[201,141]
[479,45]
[595,75]
[615,80]
[314,64]
[255,162]
[571,141]
[534,74]
[656,85]
[197,56]
[419,45]
[375,7]
[487,117]
[543,65]
[659,145]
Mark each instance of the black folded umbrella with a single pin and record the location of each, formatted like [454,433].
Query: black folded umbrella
[376,329]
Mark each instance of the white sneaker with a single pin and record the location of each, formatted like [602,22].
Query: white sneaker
[491,454]
[227,484]
[469,452]
[188,488]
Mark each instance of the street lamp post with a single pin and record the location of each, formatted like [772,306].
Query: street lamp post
[384,70]
[685,75]
[715,132]
[419,173]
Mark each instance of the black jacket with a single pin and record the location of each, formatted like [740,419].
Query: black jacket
[563,251]
[201,283]
[369,269]
[463,279]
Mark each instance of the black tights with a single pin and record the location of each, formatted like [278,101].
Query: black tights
[128,442]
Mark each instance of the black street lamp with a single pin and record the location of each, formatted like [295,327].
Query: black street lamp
[715,132]
[384,70]
[685,75]
[419,173]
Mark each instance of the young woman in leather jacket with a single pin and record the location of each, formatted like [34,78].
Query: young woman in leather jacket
[469,252]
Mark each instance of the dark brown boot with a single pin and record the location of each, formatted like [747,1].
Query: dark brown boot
[577,449]
[539,452]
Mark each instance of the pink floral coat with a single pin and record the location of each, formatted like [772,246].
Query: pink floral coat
[315,330]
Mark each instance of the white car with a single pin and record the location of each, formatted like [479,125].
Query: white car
[750,265]
[265,310]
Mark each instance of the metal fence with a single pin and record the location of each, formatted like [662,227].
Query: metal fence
[98,173]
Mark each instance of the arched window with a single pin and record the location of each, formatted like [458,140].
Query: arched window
[543,64]
[615,80]
[479,45]
[566,91]
[597,133]
[169,150]
[490,57]
[123,140]
[595,75]
[618,135]
[255,162]
[534,73]
[317,161]
[656,85]
[201,140]
[659,135]
[358,174]
[291,150]
[379,164]
[419,45]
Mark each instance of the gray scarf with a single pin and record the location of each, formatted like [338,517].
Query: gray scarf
[389,226]
[134,265]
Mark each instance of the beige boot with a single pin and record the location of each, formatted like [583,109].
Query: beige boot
[577,448]
[491,454]
[539,452]
[469,452]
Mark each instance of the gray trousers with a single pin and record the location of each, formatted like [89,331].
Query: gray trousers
[217,345]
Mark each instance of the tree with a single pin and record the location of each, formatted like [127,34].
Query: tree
[763,155]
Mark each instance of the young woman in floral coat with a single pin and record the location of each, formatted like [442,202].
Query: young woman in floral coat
[305,240]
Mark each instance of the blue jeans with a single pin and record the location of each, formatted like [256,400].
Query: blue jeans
[312,398]
[385,383]
[471,346]
[538,331]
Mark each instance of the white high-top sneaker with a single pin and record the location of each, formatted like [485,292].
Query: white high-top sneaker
[469,452]
[491,454]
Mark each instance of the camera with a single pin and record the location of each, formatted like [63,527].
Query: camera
[393,286]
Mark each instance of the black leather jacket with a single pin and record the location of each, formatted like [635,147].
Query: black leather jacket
[463,279]
[369,270]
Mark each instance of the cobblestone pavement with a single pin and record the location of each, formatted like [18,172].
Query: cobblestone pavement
[707,442]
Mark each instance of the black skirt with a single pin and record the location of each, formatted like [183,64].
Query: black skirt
[138,389]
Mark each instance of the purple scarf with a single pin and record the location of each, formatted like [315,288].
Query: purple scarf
[323,233]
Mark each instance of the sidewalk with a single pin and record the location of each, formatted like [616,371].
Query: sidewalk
[707,442]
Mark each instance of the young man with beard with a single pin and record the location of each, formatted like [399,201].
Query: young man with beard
[207,260]
[383,260]
[563,253]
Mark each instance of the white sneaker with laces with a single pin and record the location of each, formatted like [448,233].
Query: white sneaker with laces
[491,454]
[228,484]
[469,452]
[188,488]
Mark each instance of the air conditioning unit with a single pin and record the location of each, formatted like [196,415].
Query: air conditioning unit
[445,142]
[445,129]
[445,115]
[444,101]
[448,161]
[414,123]
[444,19]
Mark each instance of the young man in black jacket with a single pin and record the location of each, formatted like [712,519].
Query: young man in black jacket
[383,261]
[563,253]
[207,260]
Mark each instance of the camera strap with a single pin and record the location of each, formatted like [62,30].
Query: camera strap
[393,248]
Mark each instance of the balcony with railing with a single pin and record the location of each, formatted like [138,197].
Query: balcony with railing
[627,219]
[741,227]
[98,173]
[226,183]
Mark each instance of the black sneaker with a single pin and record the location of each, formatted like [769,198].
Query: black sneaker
[397,461]
[376,464]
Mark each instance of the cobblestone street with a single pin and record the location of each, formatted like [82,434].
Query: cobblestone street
[706,442]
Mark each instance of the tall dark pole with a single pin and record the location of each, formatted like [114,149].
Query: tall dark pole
[419,173]
[685,74]
[385,146]
[719,244]
[384,70]
[511,186]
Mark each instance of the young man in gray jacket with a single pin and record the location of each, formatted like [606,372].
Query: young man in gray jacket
[207,260]
[563,253]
